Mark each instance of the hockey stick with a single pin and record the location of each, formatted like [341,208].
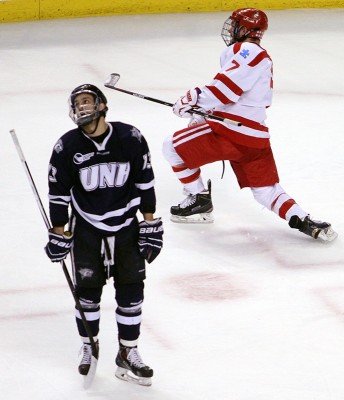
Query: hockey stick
[114,78]
[89,377]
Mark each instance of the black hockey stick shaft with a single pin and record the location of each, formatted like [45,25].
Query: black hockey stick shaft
[114,78]
[47,224]
[141,96]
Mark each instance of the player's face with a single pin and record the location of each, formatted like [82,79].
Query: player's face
[84,103]
[235,32]
[232,30]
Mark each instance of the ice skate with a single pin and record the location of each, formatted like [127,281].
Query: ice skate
[196,208]
[315,229]
[86,358]
[131,368]
[88,364]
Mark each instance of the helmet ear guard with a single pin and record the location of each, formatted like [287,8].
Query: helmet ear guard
[86,116]
[255,21]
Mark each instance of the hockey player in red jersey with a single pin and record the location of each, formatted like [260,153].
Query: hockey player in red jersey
[241,91]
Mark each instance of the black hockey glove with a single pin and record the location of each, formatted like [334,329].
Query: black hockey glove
[58,246]
[150,239]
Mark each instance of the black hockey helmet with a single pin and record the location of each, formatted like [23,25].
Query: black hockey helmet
[84,117]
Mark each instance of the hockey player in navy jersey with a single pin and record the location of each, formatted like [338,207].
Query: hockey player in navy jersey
[102,171]
[241,91]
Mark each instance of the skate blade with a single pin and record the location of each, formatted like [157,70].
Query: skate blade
[328,236]
[88,379]
[128,376]
[204,218]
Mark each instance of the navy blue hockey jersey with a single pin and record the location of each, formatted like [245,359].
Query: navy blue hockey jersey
[105,184]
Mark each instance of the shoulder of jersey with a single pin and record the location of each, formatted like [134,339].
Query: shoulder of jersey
[248,52]
[70,135]
[127,132]
[121,127]
[67,140]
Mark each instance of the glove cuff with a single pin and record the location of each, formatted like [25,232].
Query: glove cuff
[152,222]
[67,235]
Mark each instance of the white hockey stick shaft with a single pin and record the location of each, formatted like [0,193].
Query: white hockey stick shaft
[30,179]
[114,78]
[48,226]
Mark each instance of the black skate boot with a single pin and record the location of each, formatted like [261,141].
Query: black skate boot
[196,208]
[86,359]
[315,229]
[131,367]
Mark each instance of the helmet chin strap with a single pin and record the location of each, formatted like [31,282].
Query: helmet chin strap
[246,35]
[101,113]
[91,133]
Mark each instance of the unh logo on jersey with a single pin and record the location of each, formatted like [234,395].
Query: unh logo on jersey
[101,176]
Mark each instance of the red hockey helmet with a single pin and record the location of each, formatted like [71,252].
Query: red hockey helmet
[255,21]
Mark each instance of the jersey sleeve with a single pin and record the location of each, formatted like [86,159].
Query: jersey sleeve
[60,184]
[241,66]
[144,175]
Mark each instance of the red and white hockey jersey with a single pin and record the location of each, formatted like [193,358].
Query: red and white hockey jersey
[241,91]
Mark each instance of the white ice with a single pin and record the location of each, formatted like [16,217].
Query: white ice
[242,309]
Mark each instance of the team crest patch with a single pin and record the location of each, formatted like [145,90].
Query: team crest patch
[136,133]
[85,273]
[58,146]
[52,171]
[245,53]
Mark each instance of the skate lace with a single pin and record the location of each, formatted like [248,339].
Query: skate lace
[86,350]
[315,223]
[135,359]
[188,201]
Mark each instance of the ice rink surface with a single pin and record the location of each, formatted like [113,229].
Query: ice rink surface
[242,309]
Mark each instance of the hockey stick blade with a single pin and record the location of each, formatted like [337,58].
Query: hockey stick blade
[88,379]
[111,84]
[114,78]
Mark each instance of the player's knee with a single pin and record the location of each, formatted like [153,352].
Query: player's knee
[267,195]
[170,153]
[89,297]
[129,295]
[167,148]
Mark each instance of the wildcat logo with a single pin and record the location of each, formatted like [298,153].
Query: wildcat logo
[85,273]
[58,146]
[52,171]
[80,158]
[101,176]
[136,133]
